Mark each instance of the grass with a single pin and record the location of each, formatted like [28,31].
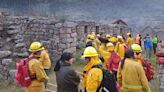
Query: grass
[155,82]
[7,86]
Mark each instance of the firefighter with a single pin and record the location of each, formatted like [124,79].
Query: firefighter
[129,40]
[106,53]
[36,70]
[91,76]
[137,52]
[120,47]
[131,75]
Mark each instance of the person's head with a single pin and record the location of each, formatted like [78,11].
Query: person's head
[107,36]
[93,34]
[120,38]
[113,40]
[36,48]
[67,57]
[139,35]
[89,44]
[92,37]
[110,47]
[129,34]
[98,35]
[128,54]
[88,36]
[137,50]
[89,52]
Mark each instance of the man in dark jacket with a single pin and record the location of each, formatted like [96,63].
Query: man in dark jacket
[66,77]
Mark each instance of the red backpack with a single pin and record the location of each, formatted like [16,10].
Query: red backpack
[22,75]
[148,68]
[113,62]
[160,60]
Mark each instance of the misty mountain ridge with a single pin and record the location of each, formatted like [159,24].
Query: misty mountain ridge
[136,13]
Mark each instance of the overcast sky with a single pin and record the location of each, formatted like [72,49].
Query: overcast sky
[135,12]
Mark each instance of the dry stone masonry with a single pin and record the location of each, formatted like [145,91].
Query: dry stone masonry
[18,33]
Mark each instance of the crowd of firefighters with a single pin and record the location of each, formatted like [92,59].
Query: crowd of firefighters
[129,72]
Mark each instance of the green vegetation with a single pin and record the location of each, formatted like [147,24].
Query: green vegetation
[8,86]
[62,17]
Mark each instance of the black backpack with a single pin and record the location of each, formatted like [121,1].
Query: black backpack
[108,83]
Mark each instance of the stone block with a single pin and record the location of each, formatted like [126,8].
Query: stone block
[72,50]
[62,36]
[63,46]
[73,35]
[6,61]
[12,31]
[12,73]
[5,54]
[24,54]
[69,40]
[64,40]
[69,30]
[68,35]
[1,66]
[8,39]
[1,28]
[73,44]
[62,31]
[18,45]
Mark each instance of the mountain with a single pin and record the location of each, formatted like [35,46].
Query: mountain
[135,12]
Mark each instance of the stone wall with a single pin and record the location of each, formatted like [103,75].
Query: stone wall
[19,31]
[83,28]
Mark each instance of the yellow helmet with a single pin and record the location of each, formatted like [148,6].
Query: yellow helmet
[110,47]
[89,52]
[36,46]
[109,44]
[136,48]
[128,33]
[93,33]
[89,36]
[98,35]
[119,37]
[113,39]
[92,37]
[107,36]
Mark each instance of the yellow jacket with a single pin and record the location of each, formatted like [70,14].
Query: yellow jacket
[36,69]
[92,76]
[120,49]
[97,41]
[105,54]
[45,59]
[138,58]
[132,77]
[129,41]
